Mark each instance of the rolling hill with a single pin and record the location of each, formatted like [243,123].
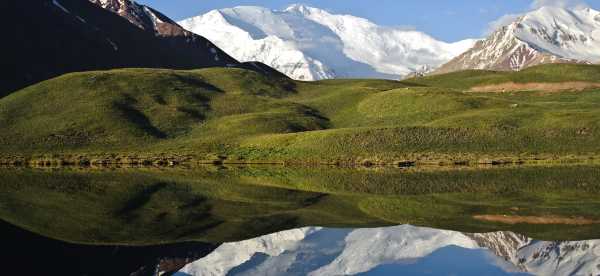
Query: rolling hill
[547,112]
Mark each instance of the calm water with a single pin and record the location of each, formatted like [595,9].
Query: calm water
[260,221]
[27,253]
[398,250]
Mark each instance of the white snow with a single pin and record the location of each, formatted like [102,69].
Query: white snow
[55,2]
[549,34]
[367,248]
[153,17]
[321,251]
[318,251]
[114,45]
[309,44]
[566,33]
[231,255]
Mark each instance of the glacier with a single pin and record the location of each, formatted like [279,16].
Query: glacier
[308,43]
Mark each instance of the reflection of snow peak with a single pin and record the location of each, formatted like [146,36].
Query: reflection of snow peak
[310,44]
[321,251]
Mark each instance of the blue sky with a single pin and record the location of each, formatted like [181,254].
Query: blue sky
[449,20]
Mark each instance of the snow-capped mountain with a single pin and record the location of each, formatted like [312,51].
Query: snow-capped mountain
[322,251]
[546,35]
[308,43]
[139,15]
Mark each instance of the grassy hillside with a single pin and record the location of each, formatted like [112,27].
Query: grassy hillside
[242,116]
[552,73]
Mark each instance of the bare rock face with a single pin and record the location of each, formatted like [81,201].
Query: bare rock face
[150,20]
[144,17]
[547,35]
[163,27]
[127,9]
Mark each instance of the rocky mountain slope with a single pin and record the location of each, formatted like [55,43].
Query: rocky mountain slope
[308,43]
[77,35]
[151,20]
[144,17]
[321,251]
[546,35]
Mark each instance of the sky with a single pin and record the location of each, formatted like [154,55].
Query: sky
[448,20]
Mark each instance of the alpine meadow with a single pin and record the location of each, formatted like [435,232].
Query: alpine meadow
[328,138]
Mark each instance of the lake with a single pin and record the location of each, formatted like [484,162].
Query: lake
[276,220]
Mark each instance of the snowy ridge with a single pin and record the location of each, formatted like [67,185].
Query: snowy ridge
[143,16]
[125,8]
[151,20]
[322,251]
[573,34]
[503,244]
[546,35]
[310,44]
[318,251]
[231,255]
[544,257]
[56,3]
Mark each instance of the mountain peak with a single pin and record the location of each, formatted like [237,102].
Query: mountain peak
[299,8]
[545,35]
[308,43]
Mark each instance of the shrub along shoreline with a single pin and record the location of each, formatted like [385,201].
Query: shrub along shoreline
[166,160]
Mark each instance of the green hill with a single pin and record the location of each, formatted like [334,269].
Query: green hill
[242,116]
[551,73]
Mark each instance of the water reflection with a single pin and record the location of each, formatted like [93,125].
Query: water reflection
[29,254]
[399,250]
[113,221]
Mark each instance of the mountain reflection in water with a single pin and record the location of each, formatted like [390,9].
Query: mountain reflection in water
[117,221]
[399,250]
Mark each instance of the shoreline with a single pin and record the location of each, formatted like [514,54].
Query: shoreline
[162,161]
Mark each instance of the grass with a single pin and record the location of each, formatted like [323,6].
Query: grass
[551,73]
[214,204]
[241,116]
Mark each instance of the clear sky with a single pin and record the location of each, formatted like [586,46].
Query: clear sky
[449,20]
